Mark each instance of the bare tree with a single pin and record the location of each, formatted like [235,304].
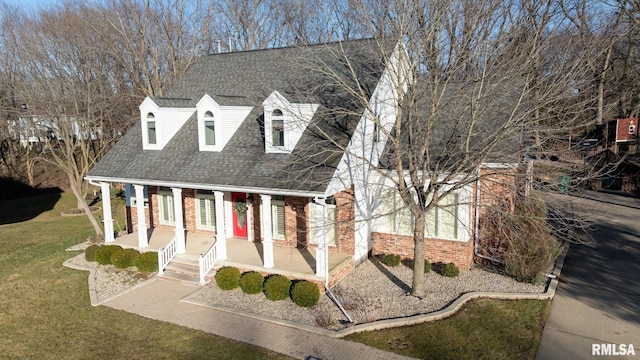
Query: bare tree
[477,85]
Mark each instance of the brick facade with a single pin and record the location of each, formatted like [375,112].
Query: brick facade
[435,250]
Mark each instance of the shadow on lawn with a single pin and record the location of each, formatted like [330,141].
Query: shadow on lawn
[21,202]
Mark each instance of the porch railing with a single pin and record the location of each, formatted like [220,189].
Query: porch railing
[206,262]
[165,255]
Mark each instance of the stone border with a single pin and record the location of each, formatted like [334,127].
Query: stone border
[93,294]
[93,211]
[410,320]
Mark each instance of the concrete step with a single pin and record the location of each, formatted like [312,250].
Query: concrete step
[179,267]
[183,278]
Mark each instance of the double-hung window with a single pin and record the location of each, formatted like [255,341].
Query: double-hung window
[277,128]
[205,212]
[442,221]
[209,129]
[277,217]
[151,129]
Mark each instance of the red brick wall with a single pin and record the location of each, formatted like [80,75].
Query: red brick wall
[457,252]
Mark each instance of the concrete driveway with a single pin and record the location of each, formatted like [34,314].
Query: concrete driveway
[598,297]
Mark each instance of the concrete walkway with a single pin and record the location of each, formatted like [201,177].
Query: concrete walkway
[598,297]
[160,299]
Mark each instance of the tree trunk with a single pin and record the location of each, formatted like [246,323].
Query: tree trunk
[417,285]
[85,206]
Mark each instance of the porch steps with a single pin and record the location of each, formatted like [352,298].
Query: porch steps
[184,269]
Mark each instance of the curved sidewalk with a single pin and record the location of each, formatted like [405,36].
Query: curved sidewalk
[160,300]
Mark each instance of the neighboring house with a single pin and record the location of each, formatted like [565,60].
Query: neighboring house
[247,148]
[34,130]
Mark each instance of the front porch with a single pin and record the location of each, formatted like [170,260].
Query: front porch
[246,255]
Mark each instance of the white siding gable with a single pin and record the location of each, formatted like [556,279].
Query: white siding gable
[226,121]
[167,122]
[294,118]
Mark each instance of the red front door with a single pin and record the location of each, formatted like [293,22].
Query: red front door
[239,211]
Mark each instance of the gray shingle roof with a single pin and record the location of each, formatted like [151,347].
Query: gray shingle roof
[247,78]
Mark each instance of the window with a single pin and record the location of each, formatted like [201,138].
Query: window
[205,212]
[209,132]
[151,129]
[315,211]
[277,128]
[277,217]
[131,193]
[442,222]
[166,209]
[632,129]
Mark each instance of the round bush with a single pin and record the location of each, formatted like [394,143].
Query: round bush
[103,254]
[228,278]
[124,258]
[276,287]
[90,252]
[305,293]
[449,270]
[251,282]
[391,260]
[147,261]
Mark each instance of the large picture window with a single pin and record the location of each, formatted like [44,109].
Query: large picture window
[206,212]
[442,222]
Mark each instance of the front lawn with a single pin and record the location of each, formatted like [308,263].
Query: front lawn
[482,329]
[45,310]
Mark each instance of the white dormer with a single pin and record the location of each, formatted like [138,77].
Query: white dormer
[160,124]
[217,124]
[284,122]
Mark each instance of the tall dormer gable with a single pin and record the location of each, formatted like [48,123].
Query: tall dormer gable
[284,122]
[217,123]
[160,124]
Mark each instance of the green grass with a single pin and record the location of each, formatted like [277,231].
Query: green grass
[45,310]
[482,329]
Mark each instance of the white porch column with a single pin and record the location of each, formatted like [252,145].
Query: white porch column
[181,243]
[106,210]
[221,237]
[322,237]
[143,241]
[267,243]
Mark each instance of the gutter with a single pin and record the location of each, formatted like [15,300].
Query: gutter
[197,186]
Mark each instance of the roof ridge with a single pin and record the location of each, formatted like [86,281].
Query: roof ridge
[293,46]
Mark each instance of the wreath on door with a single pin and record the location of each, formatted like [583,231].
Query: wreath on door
[240,209]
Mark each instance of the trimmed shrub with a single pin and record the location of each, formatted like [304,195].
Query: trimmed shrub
[449,270]
[147,261]
[251,282]
[103,254]
[276,287]
[90,252]
[228,278]
[391,260]
[124,258]
[305,293]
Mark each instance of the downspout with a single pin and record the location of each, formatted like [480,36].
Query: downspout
[476,245]
[328,291]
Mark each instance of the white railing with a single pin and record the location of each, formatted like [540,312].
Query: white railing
[165,255]
[207,261]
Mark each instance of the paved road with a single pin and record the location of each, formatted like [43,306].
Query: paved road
[598,298]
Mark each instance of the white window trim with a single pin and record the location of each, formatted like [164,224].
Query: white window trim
[162,196]
[274,221]
[211,221]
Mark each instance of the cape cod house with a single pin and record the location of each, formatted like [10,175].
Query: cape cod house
[243,163]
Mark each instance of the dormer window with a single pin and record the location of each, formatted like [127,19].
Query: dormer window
[632,129]
[277,128]
[151,129]
[209,129]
